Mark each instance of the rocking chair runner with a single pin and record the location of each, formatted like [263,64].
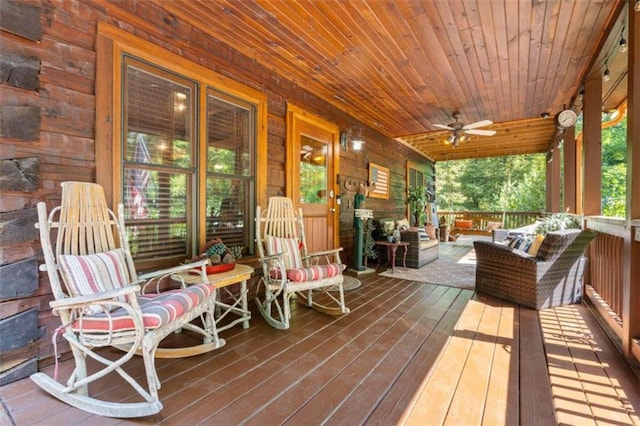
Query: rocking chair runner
[103,302]
[288,269]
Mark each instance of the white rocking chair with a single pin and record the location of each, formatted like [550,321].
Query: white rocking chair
[288,269]
[103,303]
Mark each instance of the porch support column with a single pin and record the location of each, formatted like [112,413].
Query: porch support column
[553,175]
[592,146]
[631,263]
[570,170]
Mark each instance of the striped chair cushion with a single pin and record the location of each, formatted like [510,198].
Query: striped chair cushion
[157,310]
[315,273]
[275,245]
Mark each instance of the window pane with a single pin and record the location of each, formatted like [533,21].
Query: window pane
[227,208]
[158,167]
[156,213]
[163,110]
[230,170]
[313,171]
[229,136]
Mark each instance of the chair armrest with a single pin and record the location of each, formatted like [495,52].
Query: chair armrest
[92,299]
[266,259]
[156,276]
[324,252]
[179,268]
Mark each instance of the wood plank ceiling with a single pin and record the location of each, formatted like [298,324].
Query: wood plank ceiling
[403,66]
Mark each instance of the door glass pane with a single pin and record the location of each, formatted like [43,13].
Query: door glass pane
[313,171]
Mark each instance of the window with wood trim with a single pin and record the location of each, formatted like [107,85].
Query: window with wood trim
[186,151]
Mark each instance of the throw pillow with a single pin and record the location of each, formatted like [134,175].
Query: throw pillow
[402,224]
[94,273]
[463,224]
[275,245]
[493,225]
[430,229]
[535,245]
[520,243]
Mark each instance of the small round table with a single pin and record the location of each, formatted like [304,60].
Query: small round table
[392,248]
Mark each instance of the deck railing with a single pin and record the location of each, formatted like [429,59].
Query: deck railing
[605,283]
[510,220]
[606,257]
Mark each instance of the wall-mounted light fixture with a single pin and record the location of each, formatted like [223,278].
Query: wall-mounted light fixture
[636,7]
[352,136]
[607,75]
[622,45]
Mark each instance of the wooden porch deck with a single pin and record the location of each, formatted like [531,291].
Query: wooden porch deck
[408,353]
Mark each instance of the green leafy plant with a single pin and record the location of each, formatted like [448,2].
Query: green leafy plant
[557,222]
[388,227]
[417,199]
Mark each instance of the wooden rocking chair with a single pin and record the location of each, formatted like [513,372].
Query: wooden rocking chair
[103,302]
[288,269]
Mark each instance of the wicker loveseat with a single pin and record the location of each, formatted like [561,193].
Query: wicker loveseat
[551,278]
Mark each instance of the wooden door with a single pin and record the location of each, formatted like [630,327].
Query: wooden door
[312,166]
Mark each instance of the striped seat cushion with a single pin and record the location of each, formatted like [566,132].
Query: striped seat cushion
[315,273]
[157,310]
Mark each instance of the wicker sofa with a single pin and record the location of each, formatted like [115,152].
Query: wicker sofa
[421,250]
[552,278]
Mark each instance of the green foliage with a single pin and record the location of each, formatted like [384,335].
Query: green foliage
[493,184]
[369,243]
[614,169]
[313,183]
[557,222]
[417,199]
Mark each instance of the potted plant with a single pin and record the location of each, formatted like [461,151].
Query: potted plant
[417,199]
[220,257]
[388,228]
[557,222]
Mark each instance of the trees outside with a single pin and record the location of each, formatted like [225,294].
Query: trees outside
[512,183]
[517,183]
[614,169]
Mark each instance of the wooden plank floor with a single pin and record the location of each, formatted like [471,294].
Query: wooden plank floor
[408,353]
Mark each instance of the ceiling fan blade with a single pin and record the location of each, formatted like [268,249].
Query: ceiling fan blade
[442,126]
[480,132]
[477,124]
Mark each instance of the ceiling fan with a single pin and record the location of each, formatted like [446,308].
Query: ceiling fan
[459,130]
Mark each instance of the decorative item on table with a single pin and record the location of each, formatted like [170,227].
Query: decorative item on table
[388,229]
[220,257]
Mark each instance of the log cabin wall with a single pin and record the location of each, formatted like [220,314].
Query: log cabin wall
[48,133]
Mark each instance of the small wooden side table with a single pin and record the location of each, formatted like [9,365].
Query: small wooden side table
[392,248]
[239,274]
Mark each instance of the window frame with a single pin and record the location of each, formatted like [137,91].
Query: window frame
[112,45]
